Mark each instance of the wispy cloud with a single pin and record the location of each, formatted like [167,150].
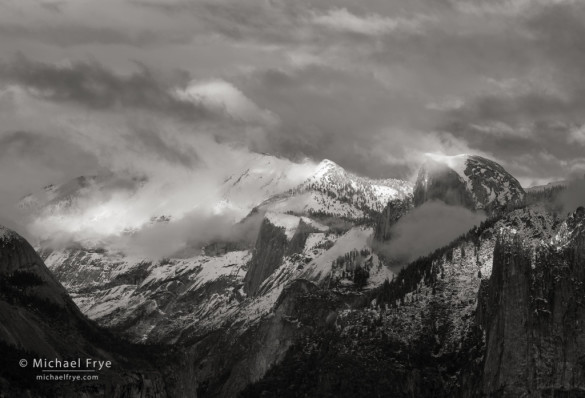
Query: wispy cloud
[426,229]
[371,24]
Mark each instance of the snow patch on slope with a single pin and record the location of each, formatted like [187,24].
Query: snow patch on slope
[5,234]
[355,238]
[290,223]
[202,269]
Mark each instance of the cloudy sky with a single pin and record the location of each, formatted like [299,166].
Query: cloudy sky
[371,84]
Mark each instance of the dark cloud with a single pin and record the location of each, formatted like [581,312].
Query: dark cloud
[53,6]
[371,85]
[270,22]
[29,161]
[92,85]
[279,22]
[427,228]
[368,84]
[74,35]
[558,31]
[528,122]
[52,152]
[503,65]
[145,139]
[331,113]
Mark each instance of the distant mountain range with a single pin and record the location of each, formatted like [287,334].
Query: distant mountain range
[309,305]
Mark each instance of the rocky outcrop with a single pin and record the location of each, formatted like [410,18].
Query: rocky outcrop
[268,253]
[469,181]
[534,314]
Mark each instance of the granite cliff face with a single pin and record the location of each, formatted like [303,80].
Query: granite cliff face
[394,210]
[534,315]
[225,364]
[469,181]
[273,244]
[267,256]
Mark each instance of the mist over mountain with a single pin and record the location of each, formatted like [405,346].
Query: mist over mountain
[246,300]
[426,228]
[231,199]
[239,294]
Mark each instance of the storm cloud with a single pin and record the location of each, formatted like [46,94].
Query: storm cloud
[92,85]
[153,88]
[371,85]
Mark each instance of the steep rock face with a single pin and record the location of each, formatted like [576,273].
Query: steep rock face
[507,363]
[268,253]
[533,314]
[469,181]
[39,320]
[270,340]
[394,210]
[226,363]
[299,239]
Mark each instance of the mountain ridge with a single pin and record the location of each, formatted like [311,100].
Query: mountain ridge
[308,259]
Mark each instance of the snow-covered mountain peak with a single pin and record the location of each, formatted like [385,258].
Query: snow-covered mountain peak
[326,167]
[334,191]
[466,180]
[326,163]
